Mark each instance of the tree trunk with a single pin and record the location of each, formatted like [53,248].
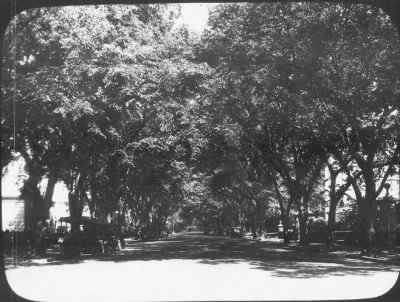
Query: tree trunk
[76,198]
[48,197]
[285,223]
[75,211]
[367,240]
[303,218]
[35,207]
[284,211]
[303,221]
[92,202]
[368,209]
[253,227]
[333,201]
[332,222]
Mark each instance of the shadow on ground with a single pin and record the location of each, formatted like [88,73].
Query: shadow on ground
[279,259]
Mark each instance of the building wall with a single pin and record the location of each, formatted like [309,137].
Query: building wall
[13,213]
[394,190]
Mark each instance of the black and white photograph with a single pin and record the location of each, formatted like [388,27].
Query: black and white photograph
[234,151]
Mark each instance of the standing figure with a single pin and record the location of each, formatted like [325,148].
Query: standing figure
[40,240]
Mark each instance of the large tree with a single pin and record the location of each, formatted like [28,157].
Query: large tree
[360,101]
[30,125]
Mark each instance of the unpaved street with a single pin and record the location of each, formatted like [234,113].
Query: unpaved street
[191,266]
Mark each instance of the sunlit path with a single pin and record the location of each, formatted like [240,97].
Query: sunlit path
[196,267]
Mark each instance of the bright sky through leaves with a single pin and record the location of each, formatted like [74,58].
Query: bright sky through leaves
[195,15]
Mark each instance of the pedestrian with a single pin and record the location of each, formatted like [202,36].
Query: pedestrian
[40,240]
[369,244]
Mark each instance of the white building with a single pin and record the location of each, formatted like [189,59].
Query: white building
[13,207]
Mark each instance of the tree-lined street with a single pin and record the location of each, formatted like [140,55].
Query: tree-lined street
[141,119]
[274,132]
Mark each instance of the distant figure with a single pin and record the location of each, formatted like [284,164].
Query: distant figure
[40,240]
[369,243]
[121,237]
